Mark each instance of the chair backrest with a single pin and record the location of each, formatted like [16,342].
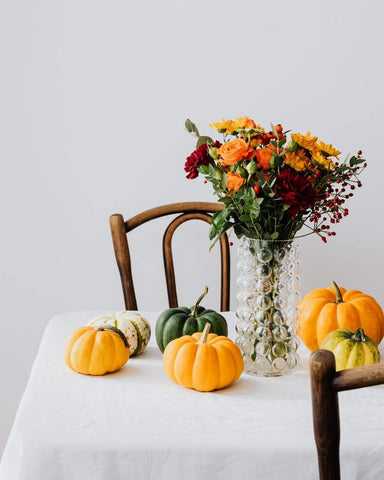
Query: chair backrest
[187,211]
[325,385]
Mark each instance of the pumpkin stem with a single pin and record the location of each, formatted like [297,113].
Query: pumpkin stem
[359,336]
[339,296]
[194,311]
[204,335]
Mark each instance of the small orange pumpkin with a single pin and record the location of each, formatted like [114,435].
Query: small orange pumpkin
[96,350]
[203,361]
[326,309]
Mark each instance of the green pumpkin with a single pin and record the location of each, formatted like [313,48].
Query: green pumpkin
[177,322]
[351,349]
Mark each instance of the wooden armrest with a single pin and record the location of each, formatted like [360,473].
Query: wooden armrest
[359,377]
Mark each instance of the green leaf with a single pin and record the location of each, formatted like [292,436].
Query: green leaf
[226,226]
[260,176]
[212,170]
[275,236]
[191,127]
[211,232]
[204,169]
[242,171]
[226,200]
[356,161]
[276,162]
[255,210]
[201,140]
[245,217]
[224,182]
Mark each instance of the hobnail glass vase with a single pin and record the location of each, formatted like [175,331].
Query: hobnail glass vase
[268,294]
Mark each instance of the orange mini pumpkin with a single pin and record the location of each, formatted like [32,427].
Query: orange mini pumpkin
[203,361]
[324,310]
[96,350]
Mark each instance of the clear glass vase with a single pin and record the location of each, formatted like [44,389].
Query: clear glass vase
[268,282]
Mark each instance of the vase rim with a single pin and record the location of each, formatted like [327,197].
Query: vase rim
[288,240]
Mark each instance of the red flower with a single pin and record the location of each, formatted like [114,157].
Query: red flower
[197,158]
[295,191]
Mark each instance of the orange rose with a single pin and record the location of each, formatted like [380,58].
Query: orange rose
[234,181]
[233,151]
[256,189]
[263,156]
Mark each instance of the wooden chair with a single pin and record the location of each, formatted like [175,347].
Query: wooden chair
[326,383]
[187,211]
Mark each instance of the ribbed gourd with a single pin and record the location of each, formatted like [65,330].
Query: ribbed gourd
[203,361]
[96,350]
[176,322]
[326,309]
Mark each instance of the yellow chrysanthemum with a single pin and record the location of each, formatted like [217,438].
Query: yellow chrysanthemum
[223,126]
[297,160]
[244,122]
[240,122]
[328,149]
[323,161]
[305,141]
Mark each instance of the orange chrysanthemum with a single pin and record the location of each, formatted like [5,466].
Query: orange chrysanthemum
[297,160]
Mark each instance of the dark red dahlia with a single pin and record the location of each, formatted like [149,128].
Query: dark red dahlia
[295,191]
[197,158]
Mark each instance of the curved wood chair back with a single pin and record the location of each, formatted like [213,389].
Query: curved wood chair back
[187,211]
[326,383]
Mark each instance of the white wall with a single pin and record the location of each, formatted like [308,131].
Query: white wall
[93,99]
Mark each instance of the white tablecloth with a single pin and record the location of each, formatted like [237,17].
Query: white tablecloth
[138,424]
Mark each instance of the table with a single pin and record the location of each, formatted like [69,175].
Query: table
[138,424]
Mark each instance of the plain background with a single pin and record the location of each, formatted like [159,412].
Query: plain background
[93,98]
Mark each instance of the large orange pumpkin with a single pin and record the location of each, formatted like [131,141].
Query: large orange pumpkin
[326,309]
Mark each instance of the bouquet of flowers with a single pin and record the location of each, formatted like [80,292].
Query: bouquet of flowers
[271,185]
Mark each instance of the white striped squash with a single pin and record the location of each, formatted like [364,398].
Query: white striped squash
[133,325]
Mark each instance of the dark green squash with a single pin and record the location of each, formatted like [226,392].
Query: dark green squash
[177,322]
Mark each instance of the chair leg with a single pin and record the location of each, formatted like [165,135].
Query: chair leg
[325,406]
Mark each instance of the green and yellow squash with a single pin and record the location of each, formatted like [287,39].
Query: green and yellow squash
[351,349]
